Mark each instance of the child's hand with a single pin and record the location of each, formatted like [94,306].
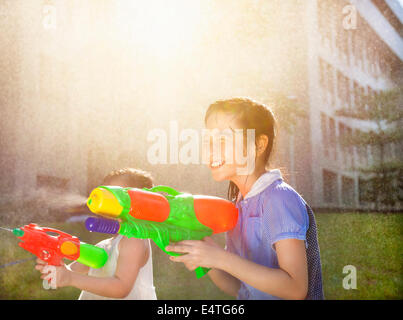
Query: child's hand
[204,253]
[63,275]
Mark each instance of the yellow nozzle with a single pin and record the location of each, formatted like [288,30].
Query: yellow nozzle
[68,248]
[103,202]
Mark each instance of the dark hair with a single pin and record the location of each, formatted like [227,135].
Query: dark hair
[252,115]
[134,178]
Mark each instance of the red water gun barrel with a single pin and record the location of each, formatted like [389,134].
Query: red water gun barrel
[216,213]
[147,205]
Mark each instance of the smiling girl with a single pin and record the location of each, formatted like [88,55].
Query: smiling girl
[273,252]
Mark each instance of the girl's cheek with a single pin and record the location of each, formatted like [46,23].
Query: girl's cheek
[231,171]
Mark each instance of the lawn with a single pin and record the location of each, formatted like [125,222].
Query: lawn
[373,243]
[370,242]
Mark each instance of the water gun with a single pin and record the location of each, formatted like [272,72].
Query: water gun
[53,249]
[172,216]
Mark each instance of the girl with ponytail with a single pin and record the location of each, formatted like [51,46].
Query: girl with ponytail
[273,252]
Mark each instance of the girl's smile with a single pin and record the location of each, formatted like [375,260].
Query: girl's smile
[217,164]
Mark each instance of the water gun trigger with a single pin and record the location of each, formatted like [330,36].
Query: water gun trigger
[201,271]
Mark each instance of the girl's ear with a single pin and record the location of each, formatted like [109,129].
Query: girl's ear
[261,144]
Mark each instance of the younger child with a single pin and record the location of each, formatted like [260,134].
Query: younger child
[128,273]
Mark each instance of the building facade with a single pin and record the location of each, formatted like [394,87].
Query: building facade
[83,84]
[355,49]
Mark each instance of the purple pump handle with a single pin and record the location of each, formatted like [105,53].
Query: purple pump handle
[102,225]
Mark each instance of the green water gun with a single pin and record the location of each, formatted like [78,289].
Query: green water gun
[160,213]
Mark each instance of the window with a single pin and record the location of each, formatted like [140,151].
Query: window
[359,41]
[342,136]
[339,85]
[371,60]
[325,16]
[322,73]
[350,147]
[349,42]
[330,72]
[365,191]
[351,93]
[343,88]
[370,93]
[353,33]
[341,34]
[347,190]
[370,155]
[362,153]
[329,187]
[326,76]
[325,135]
[362,96]
[332,136]
[347,150]
[357,97]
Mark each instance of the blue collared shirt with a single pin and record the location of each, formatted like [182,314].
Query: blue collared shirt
[278,212]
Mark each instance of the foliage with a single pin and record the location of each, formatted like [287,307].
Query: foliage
[287,110]
[383,112]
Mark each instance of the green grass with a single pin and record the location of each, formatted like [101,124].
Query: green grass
[370,242]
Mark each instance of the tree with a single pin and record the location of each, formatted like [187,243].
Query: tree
[288,110]
[382,180]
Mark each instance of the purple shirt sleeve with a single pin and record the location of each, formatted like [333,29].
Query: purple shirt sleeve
[284,216]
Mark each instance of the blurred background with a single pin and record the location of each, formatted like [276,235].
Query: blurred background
[83,83]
